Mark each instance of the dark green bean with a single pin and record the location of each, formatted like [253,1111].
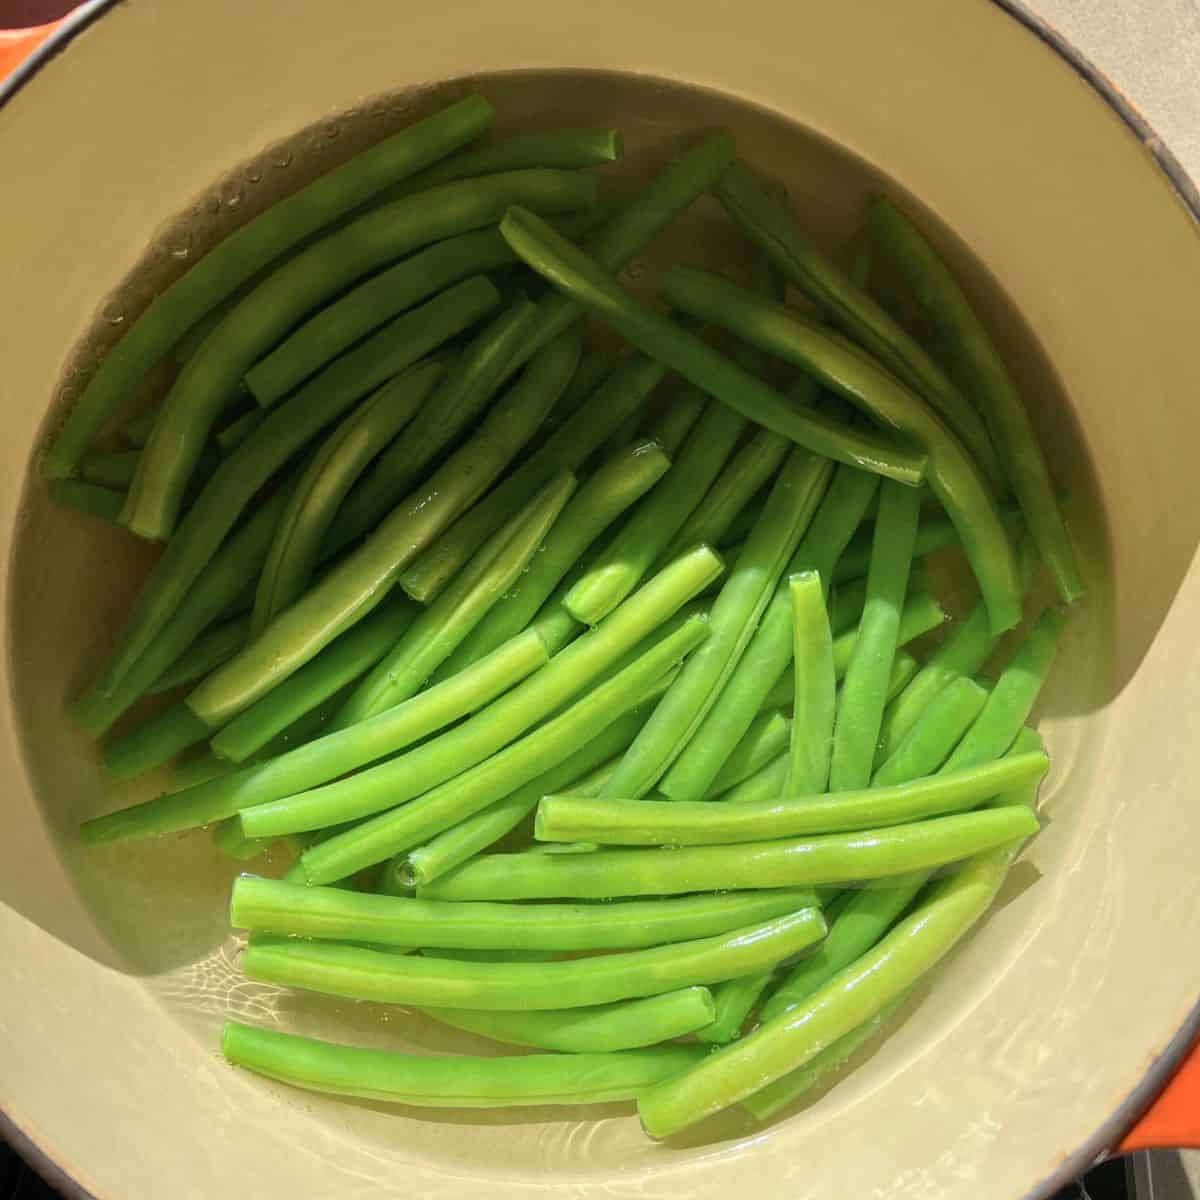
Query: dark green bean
[768,224]
[613,487]
[204,799]
[352,588]
[941,298]
[673,425]
[155,741]
[952,475]
[236,432]
[825,859]
[89,499]
[136,430]
[216,645]
[229,839]
[441,627]
[454,1081]
[339,664]
[113,470]
[245,252]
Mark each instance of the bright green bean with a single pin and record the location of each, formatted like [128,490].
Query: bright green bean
[1011,700]
[232,567]
[741,479]
[815,698]
[206,383]
[213,647]
[612,488]
[844,1003]
[825,859]
[340,970]
[581,772]
[952,475]
[573,272]
[639,542]
[272,906]
[245,252]
[660,754]
[863,696]
[453,1081]
[352,588]
[904,667]
[767,783]
[733,1001]
[339,664]
[463,395]
[441,627]
[568,448]
[765,1104]
[89,499]
[340,460]
[623,1025]
[770,649]
[243,472]
[935,734]
[691,823]
[440,808]
[567,673]
[768,224]
[941,298]
[155,741]
[113,470]
[769,734]
[203,801]
[229,839]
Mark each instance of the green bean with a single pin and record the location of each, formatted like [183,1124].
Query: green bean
[864,693]
[237,562]
[623,1025]
[203,801]
[580,772]
[363,309]
[904,667]
[197,769]
[824,859]
[236,432]
[636,224]
[216,645]
[567,673]
[339,664]
[242,472]
[769,733]
[815,700]
[660,753]
[691,823]
[441,627]
[952,475]
[672,426]
[463,395]
[1012,699]
[741,479]
[205,385]
[229,839]
[769,226]
[614,486]
[767,783]
[89,499]
[340,460]
[941,298]
[453,1081]
[340,970]
[114,469]
[594,368]
[272,906]
[733,1001]
[638,544]
[765,1104]
[770,649]
[852,997]
[356,584]
[440,808]
[569,448]
[155,741]
[136,430]
[935,734]
[244,253]
[585,282]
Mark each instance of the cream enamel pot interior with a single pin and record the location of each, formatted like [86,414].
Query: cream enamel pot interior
[1031,1052]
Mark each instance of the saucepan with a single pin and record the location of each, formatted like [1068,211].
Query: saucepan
[141,131]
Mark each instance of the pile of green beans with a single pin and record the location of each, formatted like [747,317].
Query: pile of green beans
[601,697]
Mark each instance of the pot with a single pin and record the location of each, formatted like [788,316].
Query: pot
[142,131]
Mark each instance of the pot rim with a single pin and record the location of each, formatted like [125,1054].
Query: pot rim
[1110,1131]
